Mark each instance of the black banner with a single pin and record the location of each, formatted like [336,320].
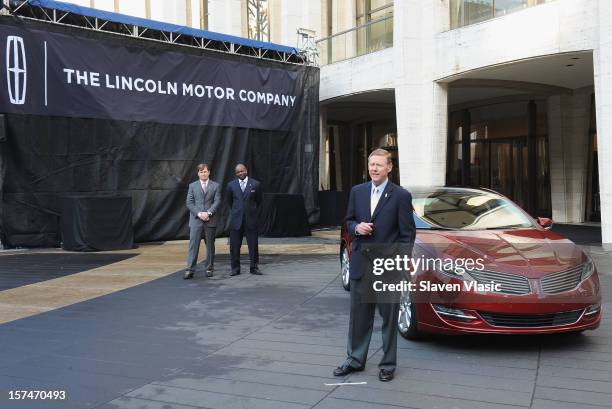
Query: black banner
[54,74]
[47,157]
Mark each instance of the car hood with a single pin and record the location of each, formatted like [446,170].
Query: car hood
[529,252]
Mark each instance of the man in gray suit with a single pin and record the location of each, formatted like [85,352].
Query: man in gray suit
[203,199]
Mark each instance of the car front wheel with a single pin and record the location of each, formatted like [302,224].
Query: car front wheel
[407,319]
[345,263]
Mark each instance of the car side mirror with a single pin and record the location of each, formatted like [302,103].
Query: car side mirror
[545,222]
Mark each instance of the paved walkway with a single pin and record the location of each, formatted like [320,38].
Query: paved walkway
[272,342]
[37,281]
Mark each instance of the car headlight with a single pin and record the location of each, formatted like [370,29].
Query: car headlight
[587,269]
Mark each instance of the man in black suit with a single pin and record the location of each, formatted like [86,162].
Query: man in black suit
[203,199]
[379,216]
[244,196]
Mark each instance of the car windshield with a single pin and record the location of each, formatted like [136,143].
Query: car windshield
[467,210]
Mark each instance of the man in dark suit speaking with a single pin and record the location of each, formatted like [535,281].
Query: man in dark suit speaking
[379,215]
[203,200]
[244,196]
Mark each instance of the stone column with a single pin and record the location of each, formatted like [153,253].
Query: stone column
[295,15]
[421,103]
[323,151]
[602,67]
[227,17]
[568,141]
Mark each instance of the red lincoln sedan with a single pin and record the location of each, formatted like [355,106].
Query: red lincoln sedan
[526,279]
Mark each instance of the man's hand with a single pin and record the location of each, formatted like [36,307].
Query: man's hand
[365,229]
[203,216]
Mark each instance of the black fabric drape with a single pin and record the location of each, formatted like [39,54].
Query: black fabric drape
[46,158]
[283,215]
[96,223]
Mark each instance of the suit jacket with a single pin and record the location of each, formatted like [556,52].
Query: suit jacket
[394,228]
[197,202]
[243,204]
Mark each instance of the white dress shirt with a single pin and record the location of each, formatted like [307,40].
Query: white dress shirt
[375,195]
[243,183]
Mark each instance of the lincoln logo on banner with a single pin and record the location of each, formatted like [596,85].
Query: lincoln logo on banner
[16,75]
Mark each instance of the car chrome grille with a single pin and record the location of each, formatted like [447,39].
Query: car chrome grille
[530,321]
[562,281]
[509,283]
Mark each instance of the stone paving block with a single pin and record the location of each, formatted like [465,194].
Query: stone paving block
[281,356]
[305,342]
[592,374]
[469,357]
[555,404]
[450,378]
[575,363]
[481,346]
[576,384]
[575,396]
[318,338]
[69,379]
[335,403]
[290,346]
[135,403]
[208,399]
[413,400]
[264,377]
[10,356]
[471,367]
[286,367]
[142,370]
[252,388]
[126,356]
[412,385]
[572,354]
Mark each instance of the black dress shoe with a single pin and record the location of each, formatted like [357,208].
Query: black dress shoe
[346,369]
[256,272]
[234,273]
[188,275]
[385,375]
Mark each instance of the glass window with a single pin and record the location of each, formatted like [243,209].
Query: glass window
[504,120]
[498,153]
[508,6]
[477,10]
[456,13]
[454,168]
[455,125]
[479,164]
[361,12]
[468,210]
[370,10]
[376,4]
[465,12]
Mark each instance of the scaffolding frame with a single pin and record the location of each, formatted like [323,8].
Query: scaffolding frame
[25,10]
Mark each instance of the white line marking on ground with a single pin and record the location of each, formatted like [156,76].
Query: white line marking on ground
[345,383]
